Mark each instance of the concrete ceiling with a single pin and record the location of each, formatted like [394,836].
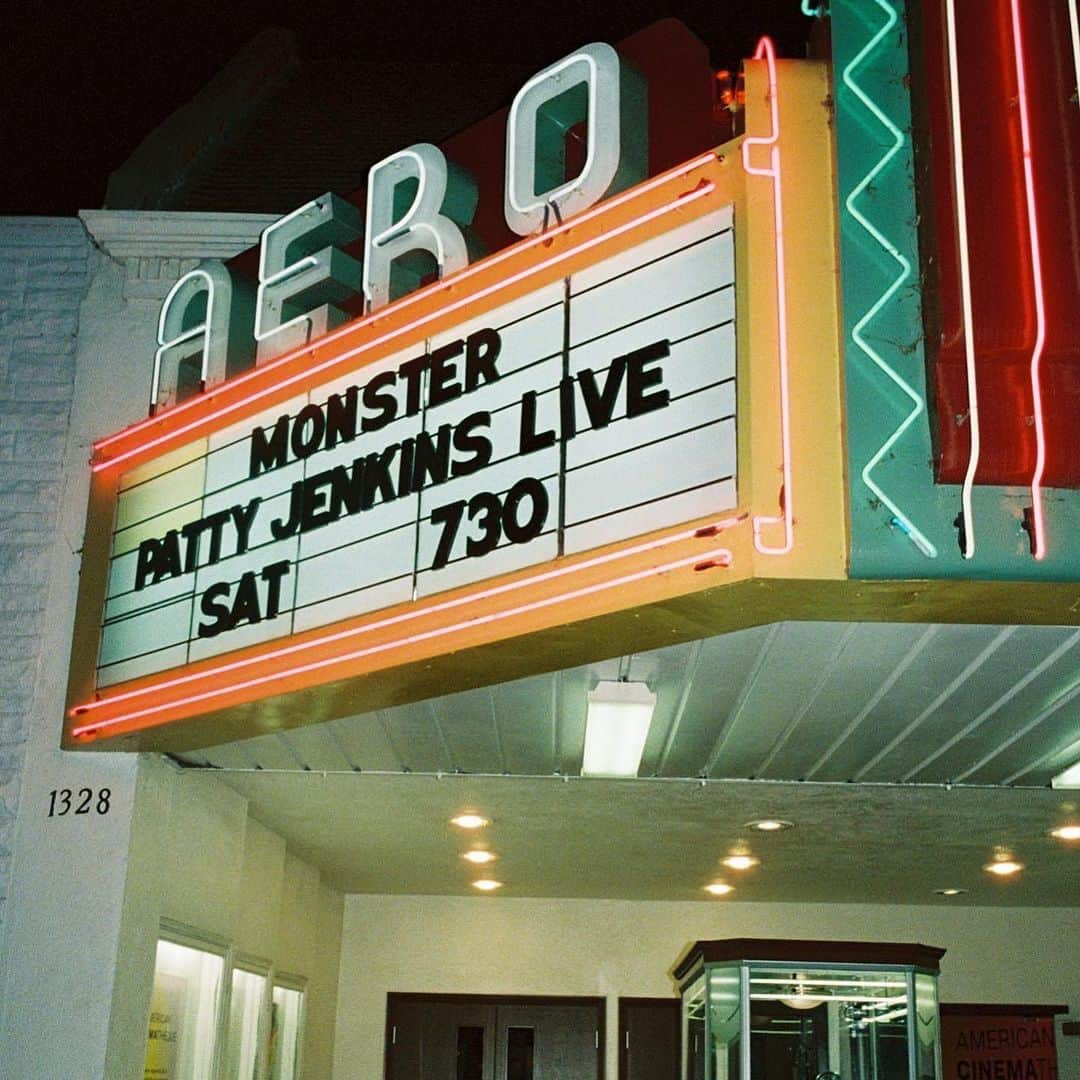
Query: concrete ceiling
[905,754]
[663,840]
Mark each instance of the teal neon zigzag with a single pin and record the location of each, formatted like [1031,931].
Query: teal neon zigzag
[906,525]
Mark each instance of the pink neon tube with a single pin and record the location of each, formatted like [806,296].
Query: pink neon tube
[1038,533]
[715,557]
[765,49]
[413,613]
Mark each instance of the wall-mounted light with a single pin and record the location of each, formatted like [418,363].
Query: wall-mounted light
[616,726]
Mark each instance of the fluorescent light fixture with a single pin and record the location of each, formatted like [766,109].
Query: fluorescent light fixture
[616,726]
[1070,778]
[487,885]
[950,892]
[479,856]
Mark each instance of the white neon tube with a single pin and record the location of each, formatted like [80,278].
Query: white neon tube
[965,281]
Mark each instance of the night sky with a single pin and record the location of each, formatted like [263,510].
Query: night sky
[82,85]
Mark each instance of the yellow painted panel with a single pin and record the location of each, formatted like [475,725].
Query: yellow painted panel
[816,496]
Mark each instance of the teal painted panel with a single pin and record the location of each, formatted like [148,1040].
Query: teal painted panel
[902,523]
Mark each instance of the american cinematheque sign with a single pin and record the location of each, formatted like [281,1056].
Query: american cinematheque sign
[326,511]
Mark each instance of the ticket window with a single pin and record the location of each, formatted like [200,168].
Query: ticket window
[829,1022]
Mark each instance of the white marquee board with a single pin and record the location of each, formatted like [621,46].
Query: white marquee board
[639,350]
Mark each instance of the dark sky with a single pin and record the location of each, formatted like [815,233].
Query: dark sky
[82,84]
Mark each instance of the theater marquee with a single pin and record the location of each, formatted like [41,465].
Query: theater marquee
[503,443]
[464,484]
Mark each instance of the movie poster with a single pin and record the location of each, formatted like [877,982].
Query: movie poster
[166,1024]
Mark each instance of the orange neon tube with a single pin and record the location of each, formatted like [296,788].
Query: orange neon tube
[198,404]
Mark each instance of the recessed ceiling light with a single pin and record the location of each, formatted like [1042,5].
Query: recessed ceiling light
[950,892]
[719,888]
[487,885]
[741,862]
[470,821]
[479,856]
[1004,867]
[769,824]
[1066,832]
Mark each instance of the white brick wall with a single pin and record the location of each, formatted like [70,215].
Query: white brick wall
[44,269]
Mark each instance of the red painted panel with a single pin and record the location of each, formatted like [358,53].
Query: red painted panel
[1003,297]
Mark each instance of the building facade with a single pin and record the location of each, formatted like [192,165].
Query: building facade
[888,662]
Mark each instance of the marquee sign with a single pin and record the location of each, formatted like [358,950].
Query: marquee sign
[537,457]
[502,442]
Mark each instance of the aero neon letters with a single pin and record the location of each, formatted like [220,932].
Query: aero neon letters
[418,212]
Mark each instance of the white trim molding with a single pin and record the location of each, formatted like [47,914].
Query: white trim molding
[157,247]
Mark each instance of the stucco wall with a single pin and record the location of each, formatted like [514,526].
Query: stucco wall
[44,265]
[85,893]
[197,858]
[500,945]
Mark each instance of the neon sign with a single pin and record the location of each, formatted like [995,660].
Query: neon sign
[489,448]
[544,438]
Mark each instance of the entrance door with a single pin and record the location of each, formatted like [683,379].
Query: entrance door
[546,1042]
[440,1041]
[463,1037]
[649,1038]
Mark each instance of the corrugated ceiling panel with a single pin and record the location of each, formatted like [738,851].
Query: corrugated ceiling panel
[867,663]
[785,679]
[721,676]
[822,701]
[921,673]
